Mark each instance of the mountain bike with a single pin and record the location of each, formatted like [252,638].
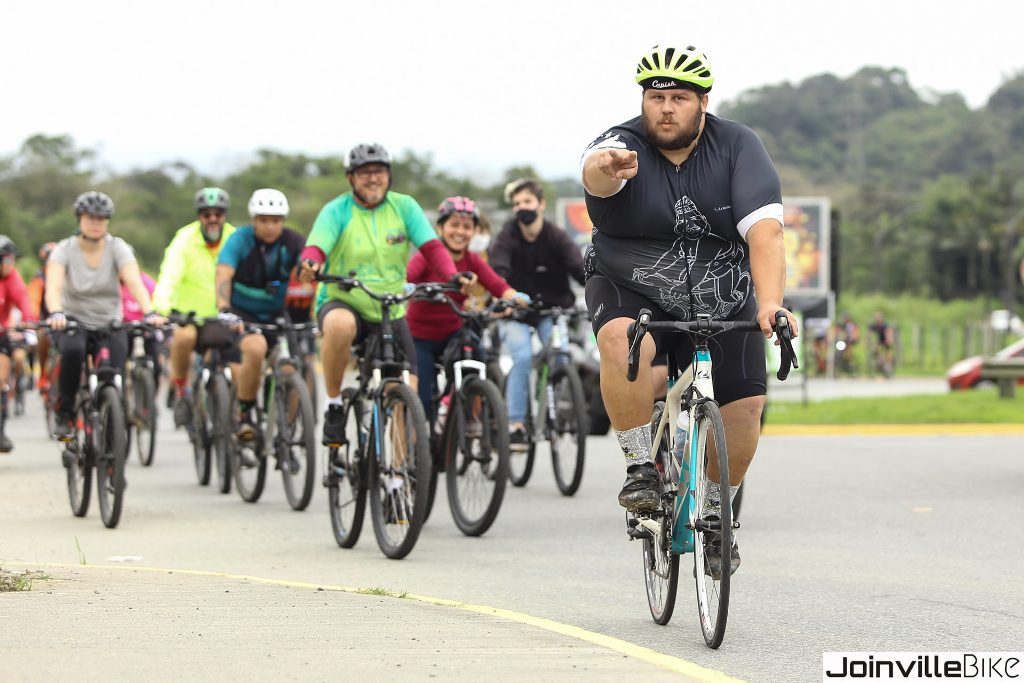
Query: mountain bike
[100,438]
[210,407]
[286,424]
[556,409]
[386,451]
[472,445]
[686,522]
[140,394]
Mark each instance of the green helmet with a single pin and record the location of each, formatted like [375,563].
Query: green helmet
[674,67]
[212,198]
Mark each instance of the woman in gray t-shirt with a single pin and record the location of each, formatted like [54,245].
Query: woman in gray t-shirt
[83,283]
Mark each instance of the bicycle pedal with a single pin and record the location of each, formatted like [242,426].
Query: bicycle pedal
[639,534]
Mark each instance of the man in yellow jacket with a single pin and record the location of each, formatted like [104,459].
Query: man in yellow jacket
[186,284]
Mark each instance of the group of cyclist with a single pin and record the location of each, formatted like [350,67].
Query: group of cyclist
[687,210]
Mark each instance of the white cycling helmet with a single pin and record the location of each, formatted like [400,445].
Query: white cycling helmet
[268,202]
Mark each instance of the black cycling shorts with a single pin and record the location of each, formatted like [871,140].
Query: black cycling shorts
[365,328]
[738,357]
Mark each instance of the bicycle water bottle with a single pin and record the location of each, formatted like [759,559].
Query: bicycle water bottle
[679,454]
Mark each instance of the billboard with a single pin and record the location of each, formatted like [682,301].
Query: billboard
[806,239]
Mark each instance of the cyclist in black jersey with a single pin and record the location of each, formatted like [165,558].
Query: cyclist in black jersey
[687,213]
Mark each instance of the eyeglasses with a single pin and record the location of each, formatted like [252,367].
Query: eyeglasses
[369,172]
[212,213]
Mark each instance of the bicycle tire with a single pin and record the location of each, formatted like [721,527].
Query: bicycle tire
[712,592]
[477,460]
[346,475]
[661,565]
[295,431]
[309,375]
[568,436]
[248,460]
[219,406]
[110,435]
[201,434]
[78,460]
[144,418]
[520,462]
[398,513]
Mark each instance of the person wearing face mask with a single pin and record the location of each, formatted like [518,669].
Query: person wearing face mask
[252,286]
[537,258]
[83,283]
[434,324]
[186,283]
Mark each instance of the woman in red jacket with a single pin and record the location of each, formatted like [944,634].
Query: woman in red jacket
[434,324]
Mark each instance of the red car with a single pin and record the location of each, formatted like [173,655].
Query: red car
[966,374]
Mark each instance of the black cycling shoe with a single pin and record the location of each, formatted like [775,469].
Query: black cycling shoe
[518,439]
[65,428]
[182,411]
[712,554]
[6,445]
[334,426]
[641,491]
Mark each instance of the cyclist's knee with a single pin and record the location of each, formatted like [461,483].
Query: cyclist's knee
[185,337]
[254,346]
[339,327]
[613,343]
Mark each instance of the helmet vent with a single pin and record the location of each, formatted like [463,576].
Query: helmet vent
[696,65]
[669,52]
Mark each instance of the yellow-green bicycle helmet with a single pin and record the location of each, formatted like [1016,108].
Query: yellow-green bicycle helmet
[664,67]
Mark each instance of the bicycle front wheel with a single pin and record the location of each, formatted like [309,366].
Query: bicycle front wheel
[712,524]
[78,460]
[346,475]
[144,414]
[218,410]
[295,440]
[476,456]
[568,434]
[201,433]
[111,453]
[661,565]
[400,471]
[521,456]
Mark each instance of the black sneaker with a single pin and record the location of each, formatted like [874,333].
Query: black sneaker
[65,429]
[245,430]
[641,491]
[182,411]
[712,554]
[6,445]
[518,439]
[334,426]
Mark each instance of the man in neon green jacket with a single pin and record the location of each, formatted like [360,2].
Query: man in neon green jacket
[186,284]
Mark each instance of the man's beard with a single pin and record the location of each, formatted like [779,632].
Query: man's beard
[683,140]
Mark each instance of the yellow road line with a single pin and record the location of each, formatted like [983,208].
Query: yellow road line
[676,664]
[979,429]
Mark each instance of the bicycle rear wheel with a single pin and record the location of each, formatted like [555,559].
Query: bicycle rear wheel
[522,457]
[569,432]
[248,461]
[295,440]
[400,471]
[346,475]
[476,456]
[219,407]
[661,565]
[78,460]
[712,527]
[144,413]
[111,454]
[201,433]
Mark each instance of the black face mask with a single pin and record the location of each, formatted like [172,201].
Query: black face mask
[526,216]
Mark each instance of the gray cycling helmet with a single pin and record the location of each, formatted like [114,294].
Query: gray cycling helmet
[366,153]
[7,246]
[95,204]
[212,198]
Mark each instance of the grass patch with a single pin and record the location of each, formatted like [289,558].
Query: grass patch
[12,582]
[384,592]
[978,406]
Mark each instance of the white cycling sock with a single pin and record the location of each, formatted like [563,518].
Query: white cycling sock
[635,444]
[334,400]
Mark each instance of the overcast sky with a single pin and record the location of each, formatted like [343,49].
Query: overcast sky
[480,85]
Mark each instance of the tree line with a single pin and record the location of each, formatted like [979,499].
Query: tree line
[928,192]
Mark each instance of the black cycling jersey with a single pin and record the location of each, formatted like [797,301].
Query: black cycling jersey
[674,229]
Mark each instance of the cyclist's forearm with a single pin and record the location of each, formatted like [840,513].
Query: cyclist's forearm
[767,261]
[223,286]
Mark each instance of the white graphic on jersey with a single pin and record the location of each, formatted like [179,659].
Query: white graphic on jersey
[606,141]
[720,285]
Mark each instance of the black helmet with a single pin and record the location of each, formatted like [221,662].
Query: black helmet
[212,198]
[95,204]
[366,153]
[7,246]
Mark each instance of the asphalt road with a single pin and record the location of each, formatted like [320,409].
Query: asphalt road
[848,542]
